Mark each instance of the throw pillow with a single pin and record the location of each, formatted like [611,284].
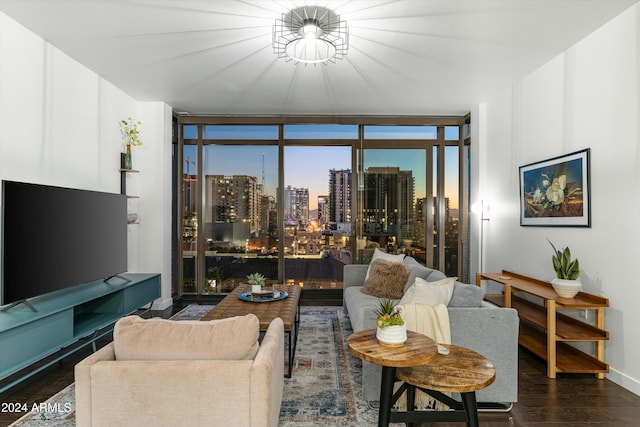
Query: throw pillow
[465,295]
[418,270]
[423,292]
[380,254]
[234,338]
[386,280]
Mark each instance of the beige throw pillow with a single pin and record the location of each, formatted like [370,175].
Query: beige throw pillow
[387,279]
[234,338]
[423,292]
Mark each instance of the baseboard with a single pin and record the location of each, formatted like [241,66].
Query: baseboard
[624,380]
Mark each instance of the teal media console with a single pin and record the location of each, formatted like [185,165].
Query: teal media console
[64,317]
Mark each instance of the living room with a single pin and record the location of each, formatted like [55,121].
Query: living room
[59,126]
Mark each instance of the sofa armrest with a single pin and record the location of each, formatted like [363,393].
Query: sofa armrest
[82,376]
[492,332]
[354,275]
[267,377]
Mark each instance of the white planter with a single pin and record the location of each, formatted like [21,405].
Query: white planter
[566,288]
[392,335]
[256,289]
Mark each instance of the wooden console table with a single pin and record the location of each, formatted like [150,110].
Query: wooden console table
[544,331]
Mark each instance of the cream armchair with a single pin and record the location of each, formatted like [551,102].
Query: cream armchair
[183,373]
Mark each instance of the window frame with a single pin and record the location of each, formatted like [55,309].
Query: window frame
[357,149]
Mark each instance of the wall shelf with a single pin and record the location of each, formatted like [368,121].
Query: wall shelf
[123,177]
[544,331]
[123,183]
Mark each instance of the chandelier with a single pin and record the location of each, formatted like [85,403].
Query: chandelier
[311,35]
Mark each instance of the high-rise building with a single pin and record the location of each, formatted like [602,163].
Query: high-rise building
[231,207]
[268,216]
[340,196]
[296,205]
[323,210]
[389,202]
[419,236]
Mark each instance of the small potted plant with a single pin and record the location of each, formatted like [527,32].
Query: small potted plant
[256,280]
[391,329]
[566,283]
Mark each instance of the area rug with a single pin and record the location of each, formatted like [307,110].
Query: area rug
[325,388]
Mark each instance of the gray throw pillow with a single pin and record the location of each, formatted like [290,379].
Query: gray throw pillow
[418,270]
[466,295]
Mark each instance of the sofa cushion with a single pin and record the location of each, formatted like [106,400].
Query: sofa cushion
[423,292]
[361,308]
[418,270]
[234,338]
[465,295]
[386,279]
[380,254]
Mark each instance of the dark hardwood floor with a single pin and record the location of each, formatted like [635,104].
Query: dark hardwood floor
[567,401]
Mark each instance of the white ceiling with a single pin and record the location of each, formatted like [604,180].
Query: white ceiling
[406,57]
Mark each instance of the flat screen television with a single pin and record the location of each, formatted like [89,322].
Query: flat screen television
[55,237]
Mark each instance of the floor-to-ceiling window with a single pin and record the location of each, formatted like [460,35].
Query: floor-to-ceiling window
[393,199]
[230,178]
[189,183]
[318,216]
[296,200]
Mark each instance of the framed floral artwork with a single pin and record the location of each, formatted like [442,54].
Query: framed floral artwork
[555,192]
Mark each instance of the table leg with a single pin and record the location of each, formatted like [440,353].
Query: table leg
[291,355]
[471,408]
[386,394]
[292,346]
[411,400]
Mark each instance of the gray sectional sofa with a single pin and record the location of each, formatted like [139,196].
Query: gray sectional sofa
[476,324]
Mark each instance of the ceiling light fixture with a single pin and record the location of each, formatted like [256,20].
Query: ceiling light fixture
[311,35]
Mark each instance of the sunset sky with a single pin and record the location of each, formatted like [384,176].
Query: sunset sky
[309,166]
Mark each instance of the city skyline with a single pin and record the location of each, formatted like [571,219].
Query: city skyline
[309,167]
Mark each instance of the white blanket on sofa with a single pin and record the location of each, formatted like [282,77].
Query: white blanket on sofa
[432,321]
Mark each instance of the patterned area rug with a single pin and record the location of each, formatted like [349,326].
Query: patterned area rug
[325,388]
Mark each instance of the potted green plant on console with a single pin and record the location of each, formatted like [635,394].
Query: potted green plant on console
[391,329]
[566,283]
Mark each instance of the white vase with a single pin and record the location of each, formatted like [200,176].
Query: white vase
[566,288]
[392,335]
[256,289]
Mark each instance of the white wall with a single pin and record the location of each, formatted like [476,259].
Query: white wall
[59,125]
[587,97]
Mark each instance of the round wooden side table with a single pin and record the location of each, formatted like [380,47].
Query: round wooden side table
[461,370]
[417,350]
